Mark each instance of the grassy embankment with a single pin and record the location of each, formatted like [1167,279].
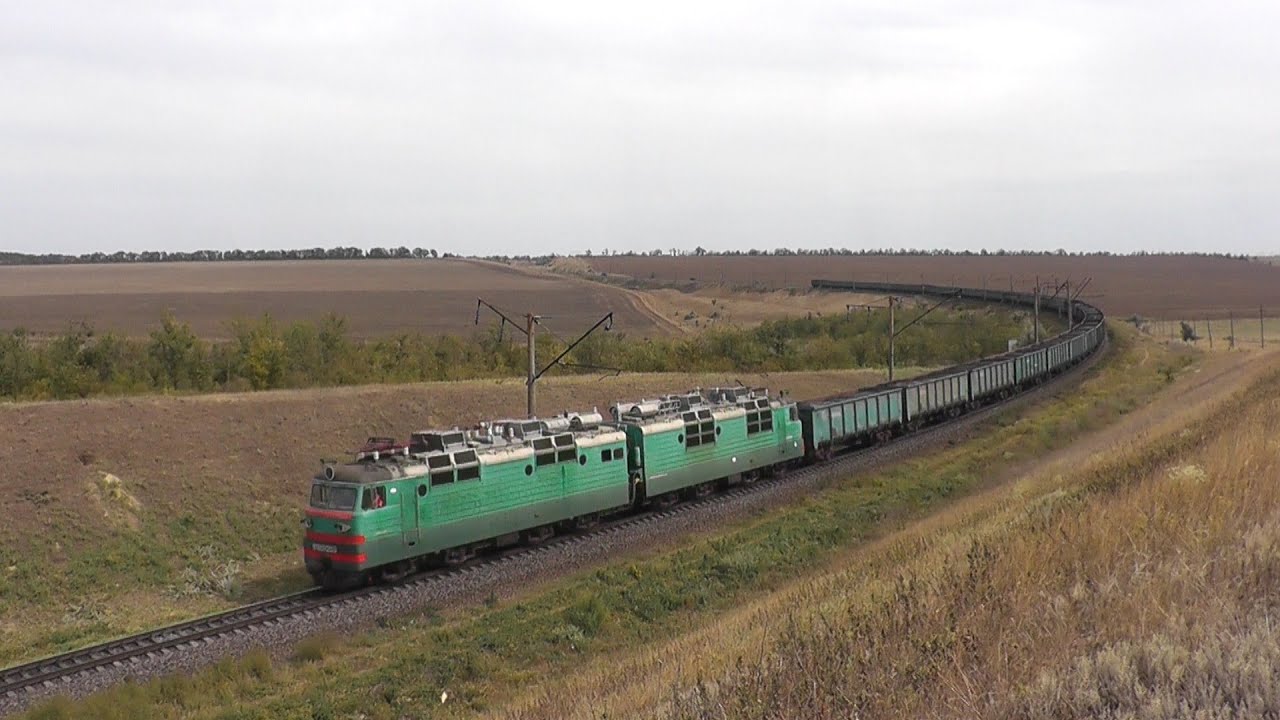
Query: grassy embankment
[1142,583]
[146,511]
[481,655]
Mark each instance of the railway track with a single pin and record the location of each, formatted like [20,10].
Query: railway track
[48,673]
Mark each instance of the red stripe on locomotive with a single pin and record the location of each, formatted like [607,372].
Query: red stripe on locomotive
[336,557]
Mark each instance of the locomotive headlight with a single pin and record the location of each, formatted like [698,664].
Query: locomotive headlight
[306,523]
[342,527]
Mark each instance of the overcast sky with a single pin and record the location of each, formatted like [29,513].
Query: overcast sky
[487,127]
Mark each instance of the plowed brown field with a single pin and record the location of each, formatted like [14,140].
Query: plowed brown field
[377,297]
[1161,286]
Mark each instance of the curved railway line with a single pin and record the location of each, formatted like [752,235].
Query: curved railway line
[48,674]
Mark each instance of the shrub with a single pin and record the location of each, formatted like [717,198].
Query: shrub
[265,355]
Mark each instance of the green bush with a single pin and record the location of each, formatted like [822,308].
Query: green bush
[265,355]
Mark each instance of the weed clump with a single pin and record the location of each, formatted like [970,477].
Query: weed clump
[314,648]
[588,615]
[1188,673]
[116,502]
[211,575]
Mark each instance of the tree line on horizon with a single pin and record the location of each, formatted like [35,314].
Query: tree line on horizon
[154,256]
[405,253]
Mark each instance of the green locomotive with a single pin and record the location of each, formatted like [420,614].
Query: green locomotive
[446,495]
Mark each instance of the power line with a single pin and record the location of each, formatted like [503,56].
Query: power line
[530,330]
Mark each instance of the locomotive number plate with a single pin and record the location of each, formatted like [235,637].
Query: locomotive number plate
[325,548]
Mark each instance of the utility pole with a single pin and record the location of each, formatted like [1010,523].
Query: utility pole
[893,332]
[531,322]
[1070,318]
[1208,326]
[892,335]
[1231,318]
[531,319]
[1262,329]
[1036,322]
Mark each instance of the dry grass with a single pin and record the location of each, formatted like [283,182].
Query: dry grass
[1143,584]
[978,610]
[714,306]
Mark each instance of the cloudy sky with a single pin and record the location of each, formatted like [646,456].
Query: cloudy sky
[491,127]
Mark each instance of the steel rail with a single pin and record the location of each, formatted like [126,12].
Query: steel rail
[53,667]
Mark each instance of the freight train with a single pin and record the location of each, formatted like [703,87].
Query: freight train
[445,495]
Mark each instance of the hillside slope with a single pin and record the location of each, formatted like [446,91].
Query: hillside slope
[183,504]
[616,641]
[1133,574]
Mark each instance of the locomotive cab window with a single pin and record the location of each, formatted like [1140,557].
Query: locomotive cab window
[373,498]
[333,497]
